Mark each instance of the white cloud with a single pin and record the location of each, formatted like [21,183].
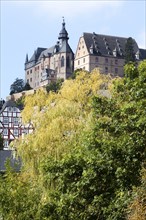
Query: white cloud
[69,9]
[75,8]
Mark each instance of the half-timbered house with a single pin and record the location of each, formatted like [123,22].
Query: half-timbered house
[11,126]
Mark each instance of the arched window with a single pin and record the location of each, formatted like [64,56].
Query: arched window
[68,62]
[62,61]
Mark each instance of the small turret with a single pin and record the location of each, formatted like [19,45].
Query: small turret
[63,35]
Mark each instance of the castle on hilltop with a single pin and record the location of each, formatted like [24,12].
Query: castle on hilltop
[49,64]
[107,53]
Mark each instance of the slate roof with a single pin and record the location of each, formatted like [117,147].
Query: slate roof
[36,54]
[7,155]
[104,45]
[65,48]
[40,52]
[142,54]
[8,103]
[46,52]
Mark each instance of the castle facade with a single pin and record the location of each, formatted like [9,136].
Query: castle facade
[107,53]
[49,64]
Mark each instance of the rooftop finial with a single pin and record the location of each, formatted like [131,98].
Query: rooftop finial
[63,19]
[26,60]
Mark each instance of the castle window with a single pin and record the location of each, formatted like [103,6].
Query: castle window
[116,70]
[96,59]
[68,62]
[79,48]
[62,61]
[38,67]
[78,62]
[30,79]
[30,71]
[27,72]
[116,61]
[35,68]
[106,69]
[106,60]
[83,60]
[83,46]
[27,80]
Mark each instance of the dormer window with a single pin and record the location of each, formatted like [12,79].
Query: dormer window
[91,49]
[137,55]
[10,109]
[115,52]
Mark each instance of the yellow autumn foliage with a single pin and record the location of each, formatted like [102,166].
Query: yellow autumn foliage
[58,118]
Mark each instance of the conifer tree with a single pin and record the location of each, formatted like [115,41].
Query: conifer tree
[129,50]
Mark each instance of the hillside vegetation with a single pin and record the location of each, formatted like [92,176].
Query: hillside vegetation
[86,157]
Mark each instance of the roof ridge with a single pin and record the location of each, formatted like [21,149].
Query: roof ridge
[105,35]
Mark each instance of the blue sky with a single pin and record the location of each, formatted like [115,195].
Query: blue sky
[26,25]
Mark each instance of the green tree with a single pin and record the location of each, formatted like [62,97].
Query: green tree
[54,86]
[27,86]
[75,73]
[137,207]
[86,153]
[20,102]
[17,86]
[95,179]
[20,197]
[129,50]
